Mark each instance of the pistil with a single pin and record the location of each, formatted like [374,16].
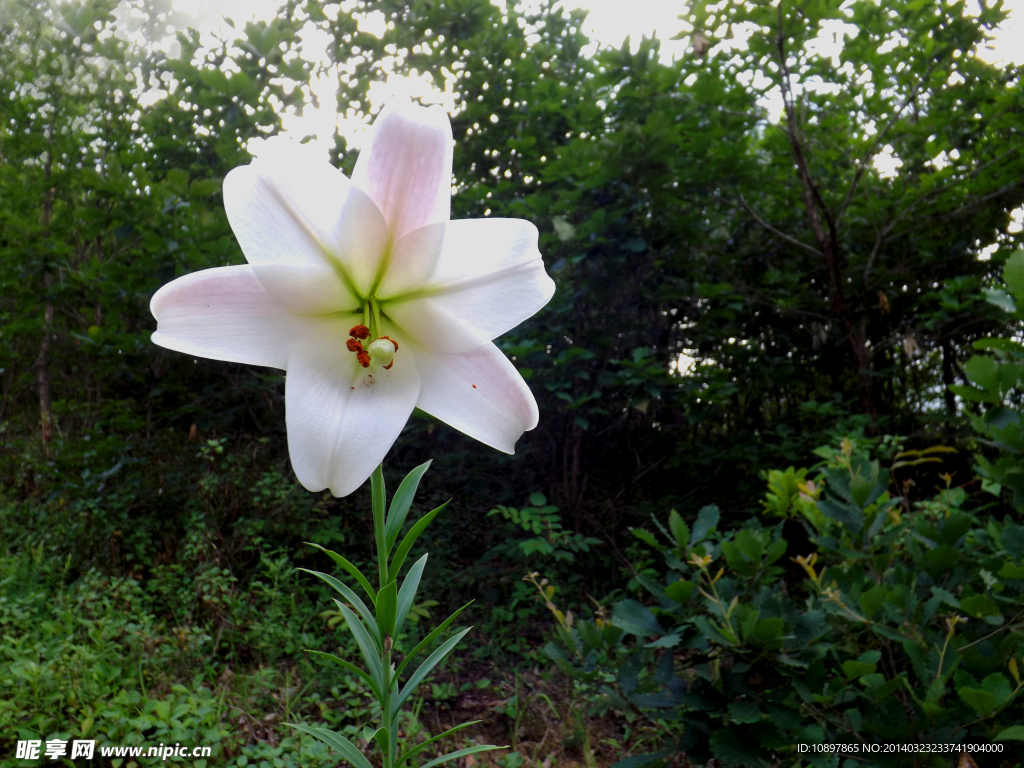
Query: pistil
[379,353]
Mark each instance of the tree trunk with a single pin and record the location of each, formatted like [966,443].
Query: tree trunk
[43,360]
[948,360]
[826,236]
[42,369]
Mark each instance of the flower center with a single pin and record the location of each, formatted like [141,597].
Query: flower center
[382,354]
[379,353]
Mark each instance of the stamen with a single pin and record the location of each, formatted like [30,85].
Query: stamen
[359,332]
[363,358]
[354,346]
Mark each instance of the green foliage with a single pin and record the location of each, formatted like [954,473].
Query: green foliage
[97,661]
[898,628]
[542,519]
[376,631]
[996,381]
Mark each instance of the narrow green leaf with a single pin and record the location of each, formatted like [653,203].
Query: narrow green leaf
[679,529]
[420,747]
[410,539]
[460,753]
[353,598]
[378,498]
[401,503]
[408,592]
[352,570]
[353,669]
[365,643]
[646,537]
[430,638]
[346,748]
[387,607]
[424,669]
[382,736]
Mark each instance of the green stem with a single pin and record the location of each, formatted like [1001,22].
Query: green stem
[385,709]
[379,501]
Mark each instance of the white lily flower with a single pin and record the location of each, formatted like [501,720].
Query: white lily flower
[371,299]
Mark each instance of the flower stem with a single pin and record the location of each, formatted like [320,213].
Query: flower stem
[379,502]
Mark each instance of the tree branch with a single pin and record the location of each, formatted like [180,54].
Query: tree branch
[862,165]
[778,233]
[880,240]
[962,210]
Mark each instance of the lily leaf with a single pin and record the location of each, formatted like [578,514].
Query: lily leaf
[420,747]
[353,598]
[460,753]
[365,643]
[355,572]
[346,748]
[424,669]
[387,607]
[410,539]
[408,592]
[401,504]
[430,638]
[353,669]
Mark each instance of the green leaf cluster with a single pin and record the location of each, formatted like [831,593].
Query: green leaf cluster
[881,624]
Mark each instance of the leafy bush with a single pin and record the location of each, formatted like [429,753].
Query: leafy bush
[542,520]
[996,379]
[99,659]
[896,629]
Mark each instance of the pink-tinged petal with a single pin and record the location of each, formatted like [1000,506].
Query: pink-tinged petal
[478,392]
[225,314]
[407,167]
[341,420]
[306,290]
[488,279]
[288,208]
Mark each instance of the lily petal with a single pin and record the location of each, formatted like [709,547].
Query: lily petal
[225,314]
[305,290]
[488,279]
[288,208]
[407,168]
[341,420]
[478,392]
[413,260]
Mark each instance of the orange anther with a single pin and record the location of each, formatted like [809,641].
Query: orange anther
[363,358]
[359,331]
[354,346]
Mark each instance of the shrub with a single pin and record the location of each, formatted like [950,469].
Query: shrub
[900,626]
